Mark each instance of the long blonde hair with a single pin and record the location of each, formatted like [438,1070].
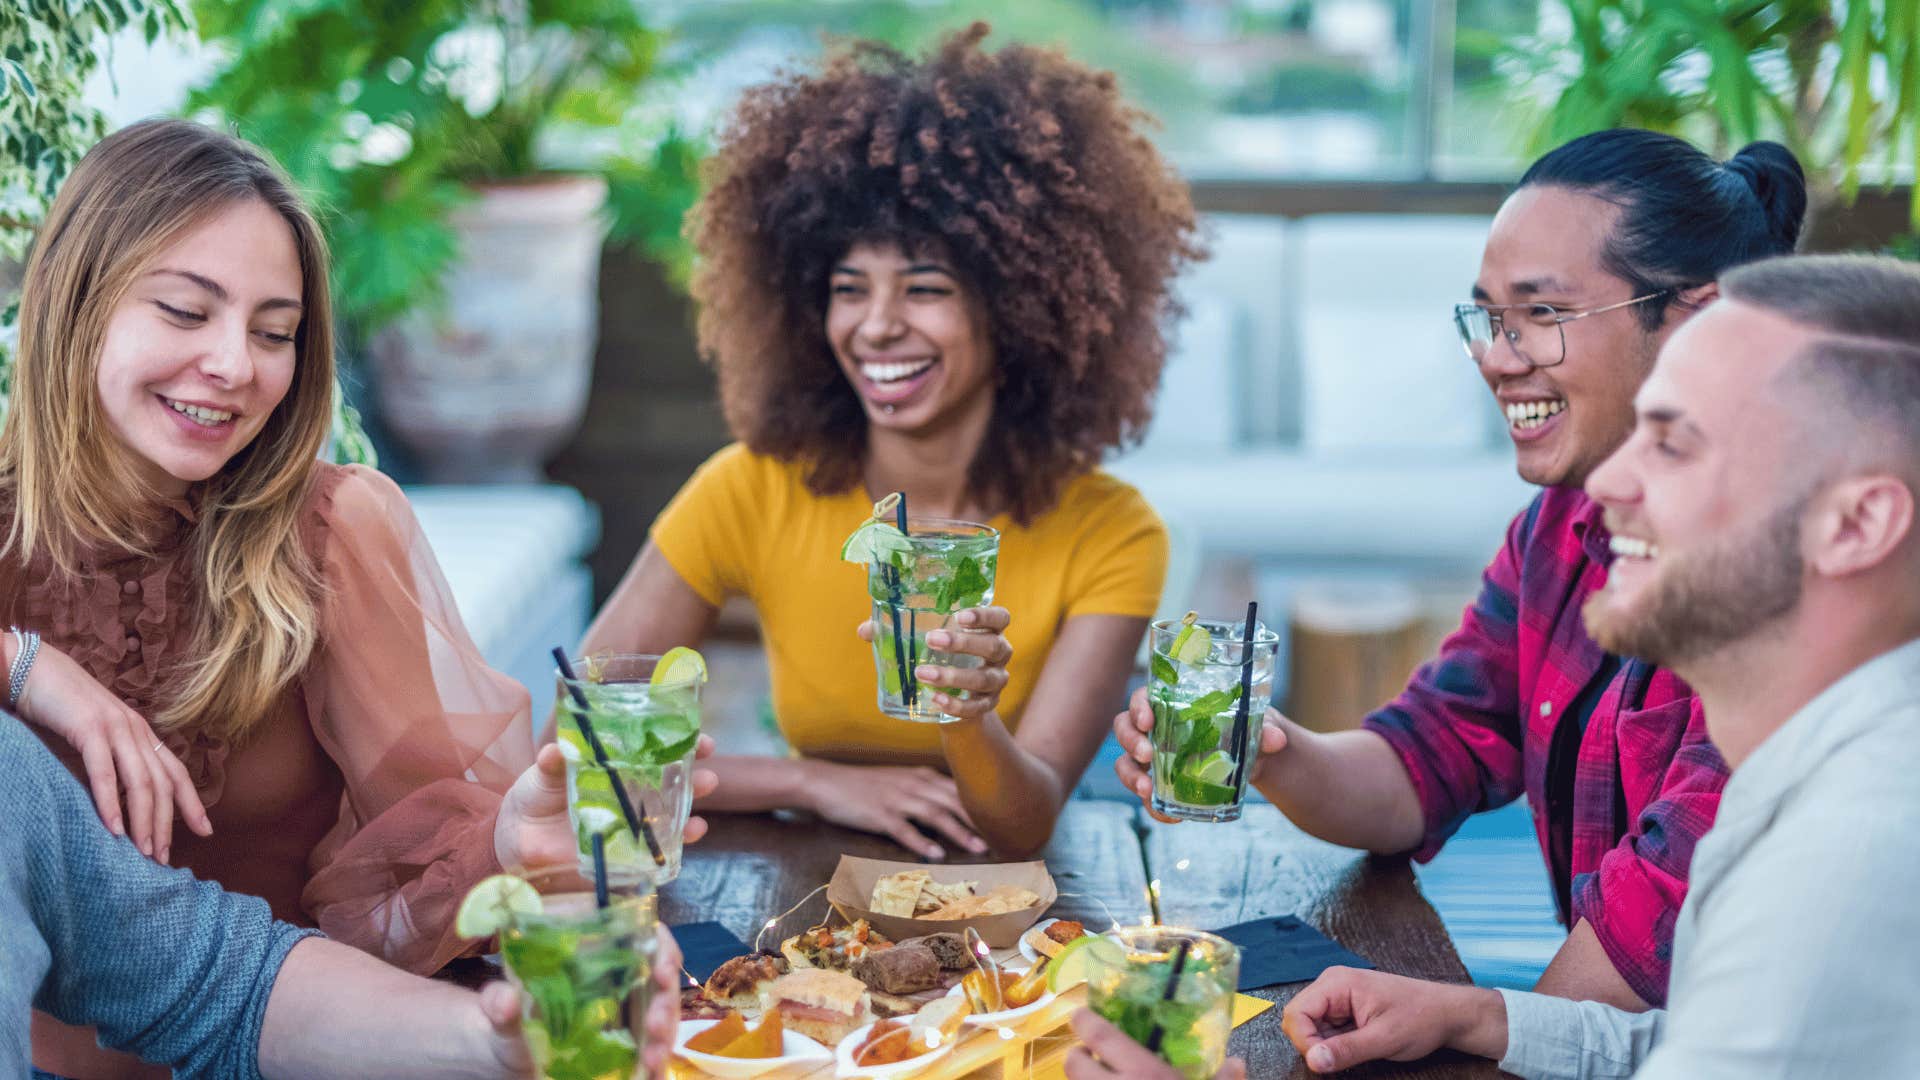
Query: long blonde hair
[256,588]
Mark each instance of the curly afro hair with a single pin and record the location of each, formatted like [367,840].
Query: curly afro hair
[1026,170]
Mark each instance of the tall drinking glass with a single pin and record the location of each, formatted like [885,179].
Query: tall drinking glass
[1188,1027]
[649,731]
[1200,768]
[584,975]
[949,568]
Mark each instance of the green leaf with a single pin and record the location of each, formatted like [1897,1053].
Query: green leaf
[964,588]
[1162,669]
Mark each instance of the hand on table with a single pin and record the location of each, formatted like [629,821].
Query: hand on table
[119,751]
[981,634]
[1134,730]
[1107,1052]
[1347,1017]
[909,803]
[532,831]
[500,1005]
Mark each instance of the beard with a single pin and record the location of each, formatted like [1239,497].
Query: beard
[1703,602]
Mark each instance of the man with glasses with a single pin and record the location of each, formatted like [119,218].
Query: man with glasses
[1608,244]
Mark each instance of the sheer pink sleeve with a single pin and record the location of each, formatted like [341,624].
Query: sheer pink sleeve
[427,736]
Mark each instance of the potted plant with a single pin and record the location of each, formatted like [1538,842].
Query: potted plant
[1834,82]
[465,151]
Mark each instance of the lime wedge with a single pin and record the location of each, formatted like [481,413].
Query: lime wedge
[495,904]
[1069,969]
[679,665]
[1213,769]
[874,542]
[1196,648]
[596,820]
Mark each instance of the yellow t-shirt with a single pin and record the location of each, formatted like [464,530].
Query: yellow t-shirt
[746,525]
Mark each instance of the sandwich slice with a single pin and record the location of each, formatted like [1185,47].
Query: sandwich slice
[824,1006]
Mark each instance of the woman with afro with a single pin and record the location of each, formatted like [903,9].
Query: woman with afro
[947,276]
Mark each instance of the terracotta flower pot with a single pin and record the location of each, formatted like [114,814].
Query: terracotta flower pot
[488,388]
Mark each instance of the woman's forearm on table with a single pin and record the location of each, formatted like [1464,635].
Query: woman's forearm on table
[1012,796]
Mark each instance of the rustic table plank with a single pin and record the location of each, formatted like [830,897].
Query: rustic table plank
[1210,876]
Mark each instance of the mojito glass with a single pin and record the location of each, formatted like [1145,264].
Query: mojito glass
[649,731]
[1200,770]
[1129,990]
[947,567]
[584,975]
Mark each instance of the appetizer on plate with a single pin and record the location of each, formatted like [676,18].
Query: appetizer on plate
[833,948]
[891,1048]
[903,969]
[731,1038]
[696,1005]
[736,983]
[822,1005]
[1050,937]
[949,949]
[728,1048]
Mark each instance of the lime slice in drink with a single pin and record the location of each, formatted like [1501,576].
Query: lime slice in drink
[1196,648]
[874,542]
[495,904]
[1213,769]
[596,820]
[1069,969]
[1200,792]
[679,665]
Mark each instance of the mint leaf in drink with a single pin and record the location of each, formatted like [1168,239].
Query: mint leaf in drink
[1163,670]
[1212,704]
[1202,737]
[964,588]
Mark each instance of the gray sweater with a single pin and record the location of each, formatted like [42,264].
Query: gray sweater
[170,968]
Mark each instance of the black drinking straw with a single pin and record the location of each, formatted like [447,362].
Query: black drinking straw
[1159,1033]
[634,824]
[1240,754]
[908,691]
[600,898]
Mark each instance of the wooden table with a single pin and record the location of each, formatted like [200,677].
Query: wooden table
[751,868]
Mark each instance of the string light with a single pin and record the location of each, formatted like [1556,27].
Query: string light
[775,921]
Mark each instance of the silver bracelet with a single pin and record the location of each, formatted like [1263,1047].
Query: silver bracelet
[26,649]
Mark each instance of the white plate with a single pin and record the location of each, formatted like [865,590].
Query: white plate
[1004,1016]
[846,1069]
[795,1049]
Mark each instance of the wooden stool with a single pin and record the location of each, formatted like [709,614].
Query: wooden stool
[1352,647]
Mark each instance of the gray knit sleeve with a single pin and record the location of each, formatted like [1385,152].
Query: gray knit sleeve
[170,968]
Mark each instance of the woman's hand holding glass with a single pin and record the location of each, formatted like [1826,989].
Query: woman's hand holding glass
[982,633]
[533,831]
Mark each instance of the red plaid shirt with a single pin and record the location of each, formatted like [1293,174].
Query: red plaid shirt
[1475,729]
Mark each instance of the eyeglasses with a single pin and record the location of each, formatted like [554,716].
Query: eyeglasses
[1537,332]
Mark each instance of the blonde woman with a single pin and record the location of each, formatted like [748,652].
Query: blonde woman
[210,621]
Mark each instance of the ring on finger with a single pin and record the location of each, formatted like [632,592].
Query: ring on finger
[158,746]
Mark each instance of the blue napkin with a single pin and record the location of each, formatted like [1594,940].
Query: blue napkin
[705,946]
[1282,949]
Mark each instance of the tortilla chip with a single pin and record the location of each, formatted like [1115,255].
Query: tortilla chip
[1007,898]
[898,894]
[934,895]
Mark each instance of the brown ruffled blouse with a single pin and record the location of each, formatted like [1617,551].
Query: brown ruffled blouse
[365,803]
